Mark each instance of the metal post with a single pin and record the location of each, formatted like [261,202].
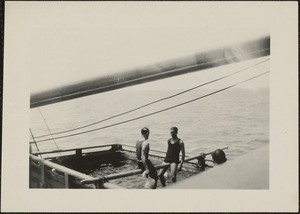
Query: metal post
[66,180]
[78,152]
[42,183]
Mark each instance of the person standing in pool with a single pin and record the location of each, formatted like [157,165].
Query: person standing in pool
[142,154]
[175,145]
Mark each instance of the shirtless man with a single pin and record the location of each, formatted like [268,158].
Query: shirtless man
[175,145]
[142,154]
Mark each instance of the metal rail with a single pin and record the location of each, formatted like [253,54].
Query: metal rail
[120,175]
[74,149]
[69,172]
[152,150]
[198,156]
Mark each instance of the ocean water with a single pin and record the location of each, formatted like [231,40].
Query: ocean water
[236,118]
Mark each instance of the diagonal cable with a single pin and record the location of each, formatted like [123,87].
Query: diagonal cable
[153,102]
[156,112]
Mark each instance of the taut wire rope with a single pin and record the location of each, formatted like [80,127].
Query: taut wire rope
[52,138]
[153,102]
[156,112]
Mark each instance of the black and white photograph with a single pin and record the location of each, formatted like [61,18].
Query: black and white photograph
[150,106]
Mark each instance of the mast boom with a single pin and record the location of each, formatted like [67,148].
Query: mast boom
[195,62]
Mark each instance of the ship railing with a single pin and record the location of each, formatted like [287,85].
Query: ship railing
[70,172]
[102,181]
[78,151]
[67,172]
[161,154]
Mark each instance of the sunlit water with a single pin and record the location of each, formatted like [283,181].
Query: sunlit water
[236,118]
[138,181]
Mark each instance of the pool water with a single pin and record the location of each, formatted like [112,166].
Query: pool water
[138,181]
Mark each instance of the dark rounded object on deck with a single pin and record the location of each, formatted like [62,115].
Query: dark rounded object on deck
[219,156]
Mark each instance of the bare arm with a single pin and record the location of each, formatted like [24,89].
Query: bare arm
[182,155]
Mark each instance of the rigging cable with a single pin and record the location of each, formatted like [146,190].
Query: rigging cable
[156,112]
[49,130]
[156,101]
[34,139]
[34,142]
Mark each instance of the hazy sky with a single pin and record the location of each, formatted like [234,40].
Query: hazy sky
[64,42]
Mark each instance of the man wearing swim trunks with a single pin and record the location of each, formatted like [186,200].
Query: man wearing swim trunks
[175,145]
[142,154]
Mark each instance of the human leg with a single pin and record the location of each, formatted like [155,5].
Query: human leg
[173,168]
[152,172]
[141,166]
[161,175]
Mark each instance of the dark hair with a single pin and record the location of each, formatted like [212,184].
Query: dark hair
[175,129]
[145,130]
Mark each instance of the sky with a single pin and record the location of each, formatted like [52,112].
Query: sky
[65,42]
